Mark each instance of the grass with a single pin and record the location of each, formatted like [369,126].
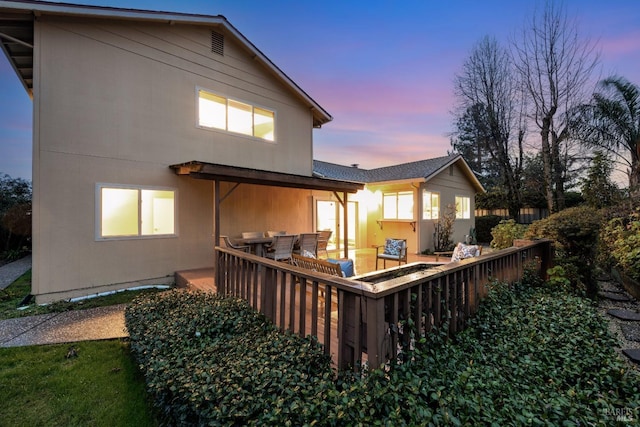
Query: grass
[101,386]
[40,385]
[14,294]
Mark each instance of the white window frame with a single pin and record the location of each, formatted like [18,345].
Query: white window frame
[396,195]
[429,213]
[140,189]
[256,112]
[463,207]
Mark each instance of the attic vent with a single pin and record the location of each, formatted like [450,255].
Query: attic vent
[217,43]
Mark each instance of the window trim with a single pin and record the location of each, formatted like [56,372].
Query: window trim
[226,130]
[461,216]
[396,194]
[98,212]
[424,191]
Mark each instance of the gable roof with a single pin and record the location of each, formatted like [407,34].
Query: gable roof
[421,170]
[17,41]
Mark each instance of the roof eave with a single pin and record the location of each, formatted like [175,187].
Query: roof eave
[204,170]
[320,115]
[397,181]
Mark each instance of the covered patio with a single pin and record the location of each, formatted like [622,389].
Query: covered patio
[237,176]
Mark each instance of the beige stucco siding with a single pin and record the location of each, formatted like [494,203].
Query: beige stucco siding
[378,229]
[260,208]
[70,260]
[449,183]
[133,90]
[116,103]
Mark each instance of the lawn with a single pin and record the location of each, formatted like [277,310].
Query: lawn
[93,383]
[98,384]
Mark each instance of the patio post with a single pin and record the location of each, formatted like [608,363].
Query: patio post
[216,233]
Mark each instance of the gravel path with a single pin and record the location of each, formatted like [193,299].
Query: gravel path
[627,332]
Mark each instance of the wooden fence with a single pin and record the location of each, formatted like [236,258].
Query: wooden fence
[360,321]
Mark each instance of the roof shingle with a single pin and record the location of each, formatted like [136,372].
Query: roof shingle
[421,169]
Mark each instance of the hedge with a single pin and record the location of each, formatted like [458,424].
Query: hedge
[208,359]
[534,355]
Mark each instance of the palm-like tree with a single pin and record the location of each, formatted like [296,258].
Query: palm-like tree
[612,122]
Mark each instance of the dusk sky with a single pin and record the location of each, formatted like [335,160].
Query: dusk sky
[383,69]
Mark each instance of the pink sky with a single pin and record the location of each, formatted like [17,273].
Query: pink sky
[384,70]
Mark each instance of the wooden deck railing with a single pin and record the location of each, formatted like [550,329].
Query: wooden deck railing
[360,321]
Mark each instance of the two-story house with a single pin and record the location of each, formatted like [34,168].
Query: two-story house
[156,132]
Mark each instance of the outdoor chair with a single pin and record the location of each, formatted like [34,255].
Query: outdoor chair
[281,248]
[225,242]
[252,234]
[463,251]
[323,241]
[308,245]
[460,252]
[275,233]
[394,250]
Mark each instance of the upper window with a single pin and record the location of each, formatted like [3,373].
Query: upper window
[398,205]
[463,207]
[430,205]
[219,112]
[135,212]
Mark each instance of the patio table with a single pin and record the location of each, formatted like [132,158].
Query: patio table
[257,244]
[438,254]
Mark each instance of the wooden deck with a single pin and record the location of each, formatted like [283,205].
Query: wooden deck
[361,320]
[364,260]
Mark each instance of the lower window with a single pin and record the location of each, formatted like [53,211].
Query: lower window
[135,211]
[463,207]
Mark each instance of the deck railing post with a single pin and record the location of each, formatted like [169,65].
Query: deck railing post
[368,314]
[349,330]
[377,332]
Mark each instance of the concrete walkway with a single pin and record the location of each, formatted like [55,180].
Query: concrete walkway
[55,328]
[10,272]
[69,326]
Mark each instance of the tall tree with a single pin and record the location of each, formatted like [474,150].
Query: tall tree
[597,188]
[555,66]
[471,141]
[487,97]
[15,212]
[612,122]
[532,181]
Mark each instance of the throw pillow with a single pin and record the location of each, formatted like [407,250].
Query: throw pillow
[463,251]
[393,247]
[305,253]
[346,265]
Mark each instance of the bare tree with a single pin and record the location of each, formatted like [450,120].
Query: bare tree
[556,67]
[488,98]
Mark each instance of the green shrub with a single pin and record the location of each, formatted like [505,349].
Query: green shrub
[533,355]
[505,232]
[575,233]
[484,225]
[444,230]
[209,359]
[620,242]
